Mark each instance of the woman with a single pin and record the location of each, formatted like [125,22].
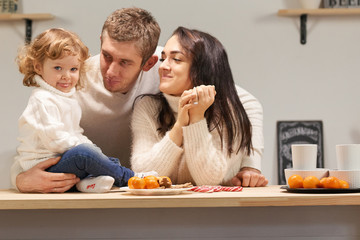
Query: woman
[201,127]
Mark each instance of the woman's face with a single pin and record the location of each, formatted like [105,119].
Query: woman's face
[174,70]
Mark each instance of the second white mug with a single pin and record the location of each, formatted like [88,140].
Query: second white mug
[348,156]
[304,156]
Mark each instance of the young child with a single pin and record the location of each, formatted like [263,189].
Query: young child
[49,127]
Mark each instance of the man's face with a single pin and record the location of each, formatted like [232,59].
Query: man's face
[120,64]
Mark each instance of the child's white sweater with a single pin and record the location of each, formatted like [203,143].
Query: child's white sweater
[49,126]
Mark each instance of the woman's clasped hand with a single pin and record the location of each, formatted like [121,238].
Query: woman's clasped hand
[194,102]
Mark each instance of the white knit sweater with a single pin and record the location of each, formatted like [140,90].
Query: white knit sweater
[48,127]
[106,115]
[200,160]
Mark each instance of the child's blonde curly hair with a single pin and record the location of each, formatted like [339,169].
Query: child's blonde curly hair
[53,43]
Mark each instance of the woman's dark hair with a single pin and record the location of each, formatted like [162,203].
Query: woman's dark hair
[210,66]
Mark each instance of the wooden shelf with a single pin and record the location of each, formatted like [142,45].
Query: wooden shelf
[28,20]
[303,13]
[319,12]
[32,16]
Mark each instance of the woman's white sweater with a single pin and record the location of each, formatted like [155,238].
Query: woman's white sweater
[200,160]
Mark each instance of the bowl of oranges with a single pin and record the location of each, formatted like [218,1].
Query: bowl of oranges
[318,173]
[331,182]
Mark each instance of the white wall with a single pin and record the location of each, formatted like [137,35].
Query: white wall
[316,81]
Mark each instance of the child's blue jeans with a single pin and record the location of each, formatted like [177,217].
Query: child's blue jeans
[87,159]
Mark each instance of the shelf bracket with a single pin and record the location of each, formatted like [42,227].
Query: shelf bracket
[28,30]
[303,18]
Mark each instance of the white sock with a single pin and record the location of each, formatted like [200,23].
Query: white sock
[144,174]
[98,184]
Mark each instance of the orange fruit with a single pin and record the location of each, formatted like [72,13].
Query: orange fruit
[295,181]
[136,183]
[343,184]
[331,182]
[130,182]
[311,182]
[151,182]
[323,182]
[150,177]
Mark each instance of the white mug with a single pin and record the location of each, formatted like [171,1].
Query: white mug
[304,156]
[348,156]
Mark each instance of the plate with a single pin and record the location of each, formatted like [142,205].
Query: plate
[320,190]
[156,191]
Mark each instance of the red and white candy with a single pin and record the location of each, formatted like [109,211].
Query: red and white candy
[211,189]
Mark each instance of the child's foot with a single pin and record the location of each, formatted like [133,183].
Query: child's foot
[144,174]
[98,184]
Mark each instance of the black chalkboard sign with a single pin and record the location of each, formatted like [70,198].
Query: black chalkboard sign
[297,132]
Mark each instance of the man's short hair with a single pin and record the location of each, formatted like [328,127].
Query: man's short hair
[134,25]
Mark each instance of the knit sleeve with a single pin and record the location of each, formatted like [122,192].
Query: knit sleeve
[254,111]
[44,116]
[206,161]
[149,150]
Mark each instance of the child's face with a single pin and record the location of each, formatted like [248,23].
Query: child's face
[61,73]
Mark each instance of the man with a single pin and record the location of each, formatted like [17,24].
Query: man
[126,68]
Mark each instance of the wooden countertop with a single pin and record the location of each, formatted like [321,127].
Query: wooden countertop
[248,197]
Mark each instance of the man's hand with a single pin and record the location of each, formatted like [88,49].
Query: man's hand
[249,177]
[36,179]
